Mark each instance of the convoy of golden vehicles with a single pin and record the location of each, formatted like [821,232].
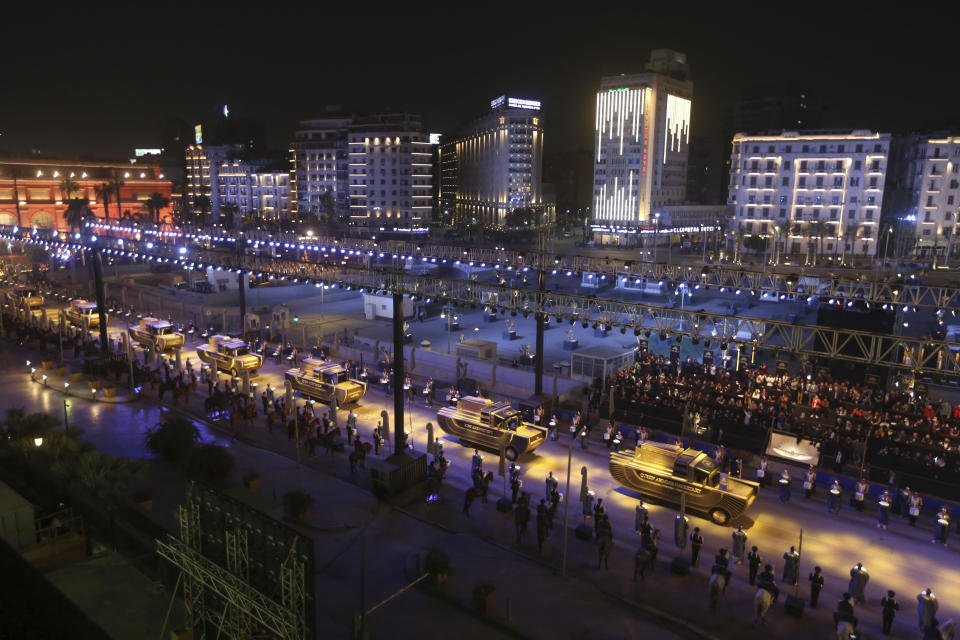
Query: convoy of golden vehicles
[158,335]
[230,355]
[666,472]
[324,382]
[485,423]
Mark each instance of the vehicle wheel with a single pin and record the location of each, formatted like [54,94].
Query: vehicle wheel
[511,453]
[719,516]
[156,347]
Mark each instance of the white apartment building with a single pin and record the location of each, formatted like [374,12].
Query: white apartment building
[495,164]
[810,192]
[319,164]
[390,170]
[936,195]
[202,170]
[254,187]
[642,132]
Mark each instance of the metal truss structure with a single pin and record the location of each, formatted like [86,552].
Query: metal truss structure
[918,355]
[786,281]
[222,598]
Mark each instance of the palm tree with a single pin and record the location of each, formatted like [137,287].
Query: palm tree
[227,211]
[69,187]
[851,232]
[203,204]
[738,239]
[817,230]
[154,204]
[77,210]
[115,183]
[104,192]
[16,173]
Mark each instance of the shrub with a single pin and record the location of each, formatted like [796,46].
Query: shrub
[210,463]
[172,439]
[437,562]
[297,503]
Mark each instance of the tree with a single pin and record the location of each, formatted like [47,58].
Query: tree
[851,233]
[77,210]
[115,183]
[16,173]
[210,463]
[172,439]
[520,217]
[69,187]
[817,230]
[203,204]
[154,204]
[738,239]
[104,192]
[755,243]
[228,212]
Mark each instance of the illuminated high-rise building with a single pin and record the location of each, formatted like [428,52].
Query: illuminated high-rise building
[936,190]
[319,172]
[494,164]
[641,133]
[390,170]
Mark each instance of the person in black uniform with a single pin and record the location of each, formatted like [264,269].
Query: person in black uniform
[844,612]
[696,543]
[754,560]
[890,608]
[816,584]
[721,564]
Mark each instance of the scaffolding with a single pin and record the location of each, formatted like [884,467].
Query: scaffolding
[219,600]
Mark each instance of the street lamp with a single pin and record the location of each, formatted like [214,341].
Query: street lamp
[566,503]
[38,442]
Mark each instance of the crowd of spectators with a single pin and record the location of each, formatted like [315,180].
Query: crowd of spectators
[854,424]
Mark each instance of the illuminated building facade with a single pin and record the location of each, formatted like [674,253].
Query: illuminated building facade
[936,195]
[32,193]
[641,134]
[203,163]
[495,164]
[258,187]
[319,165]
[818,192]
[390,170]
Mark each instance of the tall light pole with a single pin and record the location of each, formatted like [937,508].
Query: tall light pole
[566,503]
[656,232]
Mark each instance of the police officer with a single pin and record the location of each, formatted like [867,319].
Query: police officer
[785,485]
[515,483]
[943,527]
[833,499]
[816,584]
[858,582]
[754,560]
[890,608]
[844,612]
[791,566]
[553,427]
[883,510]
[739,544]
[696,543]
[810,483]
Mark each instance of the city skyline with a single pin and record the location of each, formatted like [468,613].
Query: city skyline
[113,93]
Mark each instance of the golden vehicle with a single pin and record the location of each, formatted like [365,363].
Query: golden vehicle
[664,472]
[81,309]
[229,354]
[483,422]
[25,297]
[324,381]
[155,334]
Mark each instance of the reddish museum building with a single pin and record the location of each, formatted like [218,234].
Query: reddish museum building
[35,187]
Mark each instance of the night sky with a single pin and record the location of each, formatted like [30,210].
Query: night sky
[103,83]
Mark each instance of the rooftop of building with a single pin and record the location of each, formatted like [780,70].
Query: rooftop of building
[814,134]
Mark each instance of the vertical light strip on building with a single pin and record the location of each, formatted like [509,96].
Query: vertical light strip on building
[678,124]
[620,112]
